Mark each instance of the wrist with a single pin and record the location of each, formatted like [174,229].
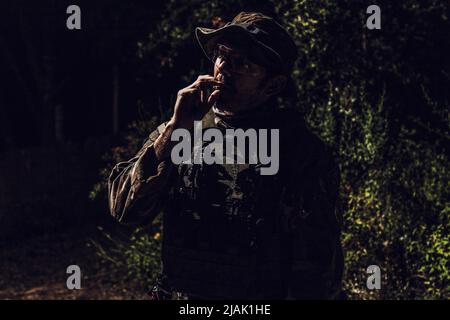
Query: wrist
[176,123]
[173,124]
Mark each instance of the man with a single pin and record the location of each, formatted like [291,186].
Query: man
[230,232]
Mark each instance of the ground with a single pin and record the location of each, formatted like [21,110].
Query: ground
[35,268]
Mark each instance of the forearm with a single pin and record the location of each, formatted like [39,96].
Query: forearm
[163,144]
[136,187]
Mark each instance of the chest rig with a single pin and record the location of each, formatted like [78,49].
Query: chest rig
[222,233]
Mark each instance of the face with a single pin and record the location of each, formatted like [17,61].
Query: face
[246,84]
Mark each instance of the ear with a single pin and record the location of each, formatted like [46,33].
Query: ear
[275,85]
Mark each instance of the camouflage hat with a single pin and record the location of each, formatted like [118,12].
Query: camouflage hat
[265,38]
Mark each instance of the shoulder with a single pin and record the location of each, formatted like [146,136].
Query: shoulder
[293,123]
[302,140]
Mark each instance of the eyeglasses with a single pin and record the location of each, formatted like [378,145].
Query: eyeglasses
[235,61]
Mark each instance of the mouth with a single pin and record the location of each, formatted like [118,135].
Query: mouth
[224,85]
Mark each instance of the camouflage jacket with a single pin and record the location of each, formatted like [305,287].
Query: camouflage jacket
[230,232]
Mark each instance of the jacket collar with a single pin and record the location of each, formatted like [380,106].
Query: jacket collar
[251,119]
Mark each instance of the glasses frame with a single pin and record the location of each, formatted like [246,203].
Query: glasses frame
[245,67]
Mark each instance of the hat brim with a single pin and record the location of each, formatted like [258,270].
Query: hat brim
[209,38]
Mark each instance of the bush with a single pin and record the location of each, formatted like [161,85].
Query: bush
[134,259]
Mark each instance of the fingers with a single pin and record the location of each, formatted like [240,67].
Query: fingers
[204,82]
[195,99]
[213,98]
[198,95]
[221,68]
[187,91]
[200,105]
[203,96]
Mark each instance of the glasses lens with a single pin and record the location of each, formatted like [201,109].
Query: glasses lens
[235,61]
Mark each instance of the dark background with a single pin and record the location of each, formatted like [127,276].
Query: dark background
[59,90]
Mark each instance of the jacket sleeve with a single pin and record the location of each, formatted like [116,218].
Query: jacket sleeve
[136,187]
[315,255]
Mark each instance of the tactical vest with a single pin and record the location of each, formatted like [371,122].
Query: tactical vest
[222,232]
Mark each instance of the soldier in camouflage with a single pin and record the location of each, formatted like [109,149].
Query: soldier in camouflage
[230,232]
